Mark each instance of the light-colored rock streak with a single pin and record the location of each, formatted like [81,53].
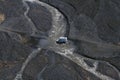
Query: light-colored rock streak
[58,21]
[39,76]
[80,61]
[35,52]
[26,15]
[58,30]
[3,29]
[29,58]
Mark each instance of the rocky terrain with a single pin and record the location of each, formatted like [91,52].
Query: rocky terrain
[29,30]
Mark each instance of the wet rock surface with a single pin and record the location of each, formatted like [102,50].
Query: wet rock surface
[91,25]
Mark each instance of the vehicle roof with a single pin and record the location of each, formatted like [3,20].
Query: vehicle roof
[63,38]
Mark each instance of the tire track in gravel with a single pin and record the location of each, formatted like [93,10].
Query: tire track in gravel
[67,50]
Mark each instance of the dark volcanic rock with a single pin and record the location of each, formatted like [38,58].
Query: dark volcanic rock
[108,20]
[41,17]
[10,49]
[93,26]
[9,69]
[12,54]
[89,63]
[51,66]
[114,61]
[85,27]
[18,24]
[108,70]
[60,72]
[12,8]
[67,9]
[90,43]
[85,75]
[35,66]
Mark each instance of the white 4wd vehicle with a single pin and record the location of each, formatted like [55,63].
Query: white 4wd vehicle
[61,40]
